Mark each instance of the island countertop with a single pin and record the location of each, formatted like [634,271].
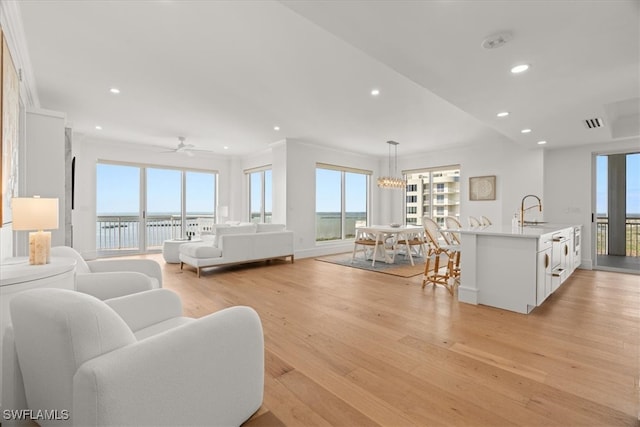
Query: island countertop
[516,268]
[529,231]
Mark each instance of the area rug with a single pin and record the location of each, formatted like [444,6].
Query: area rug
[401,267]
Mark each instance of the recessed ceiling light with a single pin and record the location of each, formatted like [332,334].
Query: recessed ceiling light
[375,92]
[276,128]
[114,90]
[525,131]
[503,114]
[98,127]
[225,147]
[520,68]
[542,142]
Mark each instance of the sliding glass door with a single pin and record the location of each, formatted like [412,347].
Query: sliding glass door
[118,207]
[163,218]
[139,207]
[617,218]
[200,199]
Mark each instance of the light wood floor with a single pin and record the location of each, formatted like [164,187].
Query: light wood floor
[348,347]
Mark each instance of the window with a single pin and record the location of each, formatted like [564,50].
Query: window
[138,207]
[439,192]
[341,201]
[260,195]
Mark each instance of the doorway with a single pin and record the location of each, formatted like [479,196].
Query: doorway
[617,218]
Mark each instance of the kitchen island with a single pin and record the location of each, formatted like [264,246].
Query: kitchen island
[516,268]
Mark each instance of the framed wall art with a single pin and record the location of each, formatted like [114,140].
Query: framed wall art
[482,187]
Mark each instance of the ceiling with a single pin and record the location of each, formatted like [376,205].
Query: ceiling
[224,73]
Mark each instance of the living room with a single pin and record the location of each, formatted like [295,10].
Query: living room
[561,172]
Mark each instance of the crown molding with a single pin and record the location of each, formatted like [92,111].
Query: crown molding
[11,22]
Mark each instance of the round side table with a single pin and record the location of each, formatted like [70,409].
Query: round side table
[17,275]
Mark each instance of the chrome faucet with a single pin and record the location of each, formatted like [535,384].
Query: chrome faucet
[522,208]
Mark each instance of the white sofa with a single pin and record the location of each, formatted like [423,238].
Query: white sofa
[135,360]
[239,244]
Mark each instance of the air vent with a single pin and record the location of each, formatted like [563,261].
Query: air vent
[496,40]
[594,123]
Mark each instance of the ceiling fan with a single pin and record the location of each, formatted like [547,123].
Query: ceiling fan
[182,147]
[188,149]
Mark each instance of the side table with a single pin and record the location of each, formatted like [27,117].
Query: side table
[171,249]
[17,275]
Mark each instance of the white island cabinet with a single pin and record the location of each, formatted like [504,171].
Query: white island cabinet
[515,268]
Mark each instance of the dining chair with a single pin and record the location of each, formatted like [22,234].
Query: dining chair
[439,244]
[369,242]
[474,222]
[411,239]
[485,221]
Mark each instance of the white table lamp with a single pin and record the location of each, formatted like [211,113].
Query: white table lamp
[35,213]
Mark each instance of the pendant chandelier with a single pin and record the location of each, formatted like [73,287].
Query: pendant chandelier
[392,181]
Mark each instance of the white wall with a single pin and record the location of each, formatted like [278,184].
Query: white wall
[88,151]
[518,172]
[569,187]
[301,159]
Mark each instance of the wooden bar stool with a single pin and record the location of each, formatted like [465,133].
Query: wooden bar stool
[435,274]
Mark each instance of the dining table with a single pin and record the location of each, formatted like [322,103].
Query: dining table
[394,233]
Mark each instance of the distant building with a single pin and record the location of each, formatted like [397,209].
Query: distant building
[434,193]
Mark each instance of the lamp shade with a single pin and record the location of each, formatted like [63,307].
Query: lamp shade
[34,213]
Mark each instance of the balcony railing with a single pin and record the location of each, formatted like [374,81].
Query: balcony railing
[632,231]
[122,232]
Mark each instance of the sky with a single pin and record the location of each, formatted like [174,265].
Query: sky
[118,190]
[633,184]
[328,191]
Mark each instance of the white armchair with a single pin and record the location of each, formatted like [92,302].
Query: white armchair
[135,360]
[106,279]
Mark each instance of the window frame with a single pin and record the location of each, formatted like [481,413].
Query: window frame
[343,200]
[262,171]
[433,191]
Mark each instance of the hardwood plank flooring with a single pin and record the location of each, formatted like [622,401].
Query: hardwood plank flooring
[349,347]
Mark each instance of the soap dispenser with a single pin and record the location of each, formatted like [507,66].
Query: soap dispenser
[514,221]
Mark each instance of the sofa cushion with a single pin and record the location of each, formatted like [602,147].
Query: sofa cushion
[200,250]
[264,227]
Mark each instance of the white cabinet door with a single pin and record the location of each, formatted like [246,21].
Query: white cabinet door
[543,279]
